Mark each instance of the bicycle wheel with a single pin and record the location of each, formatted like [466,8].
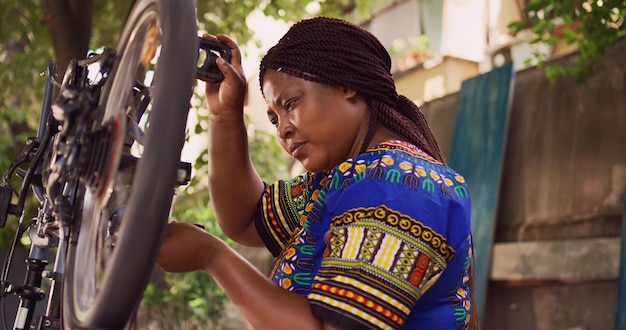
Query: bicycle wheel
[123,213]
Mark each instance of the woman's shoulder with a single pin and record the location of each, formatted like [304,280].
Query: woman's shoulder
[400,164]
[397,147]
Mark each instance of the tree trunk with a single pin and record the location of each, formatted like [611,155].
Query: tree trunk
[69,23]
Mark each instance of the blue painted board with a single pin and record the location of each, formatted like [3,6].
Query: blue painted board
[477,152]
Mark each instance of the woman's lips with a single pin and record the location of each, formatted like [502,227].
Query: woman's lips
[294,147]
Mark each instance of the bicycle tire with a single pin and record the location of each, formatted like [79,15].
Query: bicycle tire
[108,300]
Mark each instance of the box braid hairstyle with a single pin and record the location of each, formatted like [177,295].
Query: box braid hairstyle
[335,52]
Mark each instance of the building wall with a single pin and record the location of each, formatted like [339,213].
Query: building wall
[567,148]
[443,76]
[465,28]
[561,198]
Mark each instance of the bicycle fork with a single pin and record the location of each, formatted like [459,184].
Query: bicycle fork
[31,292]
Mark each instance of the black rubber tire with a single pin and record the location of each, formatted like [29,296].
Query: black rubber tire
[119,288]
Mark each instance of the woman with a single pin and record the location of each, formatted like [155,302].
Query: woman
[376,234]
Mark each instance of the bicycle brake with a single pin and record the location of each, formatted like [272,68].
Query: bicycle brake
[208,71]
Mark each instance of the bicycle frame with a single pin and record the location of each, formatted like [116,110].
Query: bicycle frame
[30,292]
[50,228]
[70,158]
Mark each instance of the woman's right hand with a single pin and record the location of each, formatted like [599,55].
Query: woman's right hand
[234,185]
[226,99]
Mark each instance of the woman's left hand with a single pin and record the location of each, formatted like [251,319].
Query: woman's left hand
[186,247]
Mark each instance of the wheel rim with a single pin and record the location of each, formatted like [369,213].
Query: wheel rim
[136,58]
[103,202]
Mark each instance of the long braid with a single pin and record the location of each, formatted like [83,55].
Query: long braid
[334,52]
[417,128]
[407,120]
[371,128]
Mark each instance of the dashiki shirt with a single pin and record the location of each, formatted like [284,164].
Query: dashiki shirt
[382,241]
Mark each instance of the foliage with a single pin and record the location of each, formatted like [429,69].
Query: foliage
[26,47]
[25,51]
[186,299]
[193,300]
[593,25]
[21,61]
[400,47]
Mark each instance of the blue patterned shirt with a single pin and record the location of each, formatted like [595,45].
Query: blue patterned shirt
[381,241]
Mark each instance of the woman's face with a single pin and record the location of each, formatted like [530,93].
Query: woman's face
[319,125]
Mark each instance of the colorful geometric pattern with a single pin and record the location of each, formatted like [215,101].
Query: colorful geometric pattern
[282,205]
[461,296]
[381,239]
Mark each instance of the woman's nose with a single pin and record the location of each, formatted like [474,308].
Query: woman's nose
[285,130]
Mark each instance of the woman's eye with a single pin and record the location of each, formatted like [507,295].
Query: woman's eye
[274,121]
[289,104]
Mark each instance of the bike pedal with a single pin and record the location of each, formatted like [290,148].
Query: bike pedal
[208,71]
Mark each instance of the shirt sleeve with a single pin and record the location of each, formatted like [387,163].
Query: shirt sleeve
[280,209]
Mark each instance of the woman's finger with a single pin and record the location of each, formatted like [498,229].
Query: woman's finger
[235,53]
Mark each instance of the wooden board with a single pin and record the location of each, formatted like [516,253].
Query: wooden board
[477,152]
[562,260]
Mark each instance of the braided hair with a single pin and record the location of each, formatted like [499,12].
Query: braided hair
[335,52]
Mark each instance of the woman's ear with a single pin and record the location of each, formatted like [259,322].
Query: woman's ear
[349,92]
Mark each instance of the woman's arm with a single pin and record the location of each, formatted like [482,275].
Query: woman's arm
[234,184]
[264,304]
